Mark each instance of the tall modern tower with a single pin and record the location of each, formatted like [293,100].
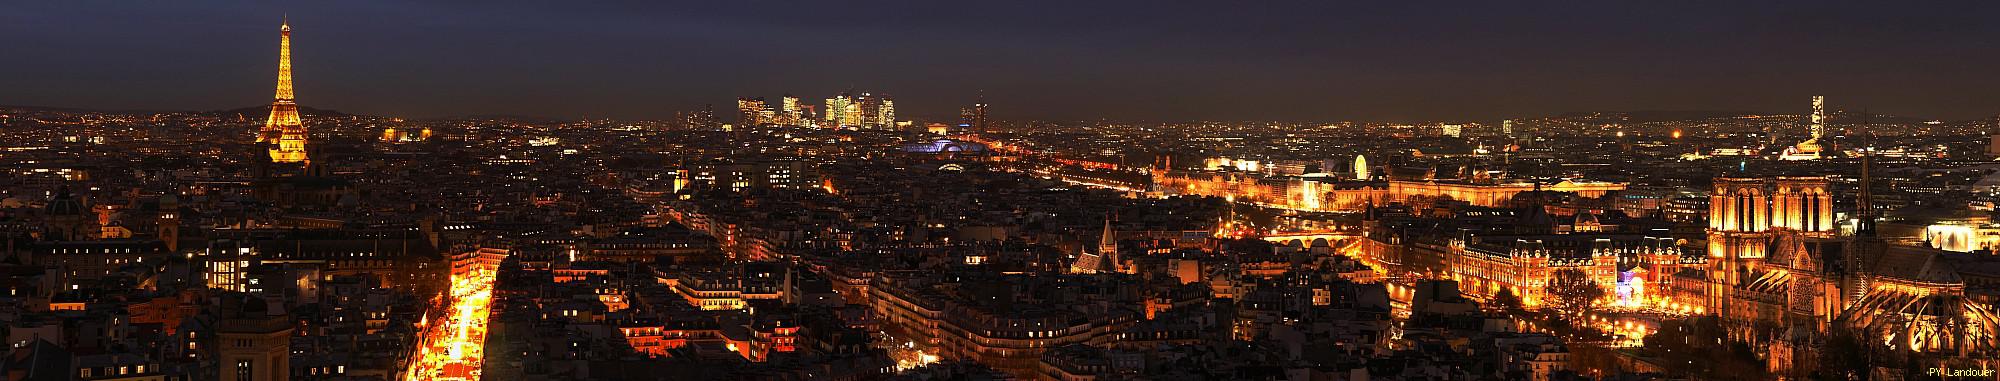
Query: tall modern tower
[752,112]
[974,118]
[284,127]
[979,116]
[1811,147]
[792,113]
[1818,117]
[842,111]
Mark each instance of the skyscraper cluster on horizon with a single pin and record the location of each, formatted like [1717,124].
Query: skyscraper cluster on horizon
[864,111]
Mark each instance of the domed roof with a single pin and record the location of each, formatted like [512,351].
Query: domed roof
[64,204]
[255,307]
[1585,217]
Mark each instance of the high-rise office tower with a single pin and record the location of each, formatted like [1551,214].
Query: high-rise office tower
[790,112]
[284,127]
[979,117]
[752,111]
[841,111]
[870,111]
[850,114]
[887,117]
[973,118]
[1811,147]
[703,119]
[1818,117]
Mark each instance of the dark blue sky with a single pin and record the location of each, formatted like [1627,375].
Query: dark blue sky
[1153,60]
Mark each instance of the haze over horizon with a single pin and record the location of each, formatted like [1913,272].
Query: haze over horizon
[1032,60]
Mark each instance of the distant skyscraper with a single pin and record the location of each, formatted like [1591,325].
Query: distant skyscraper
[886,118]
[284,127]
[1818,117]
[752,111]
[979,117]
[1452,130]
[1811,147]
[791,113]
[704,119]
[870,111]
[974,118]
[841,111]
[1507,128]
[864,111]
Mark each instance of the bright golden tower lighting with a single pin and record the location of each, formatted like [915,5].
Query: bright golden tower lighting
[284,126]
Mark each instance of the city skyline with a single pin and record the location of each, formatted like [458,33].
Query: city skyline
[1162,63]
[870,233]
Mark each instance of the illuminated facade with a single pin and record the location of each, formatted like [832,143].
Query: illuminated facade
[1361,172]
[1489,194]
[1009,337]
[1311,192]
[753,112]
[393,135]
[709,292]
[284,128]
[1629,267]
[1962,237]
[1774,264]
[1752,220]
[841,111]
[1772,268]
[1803,204]
[864,111]
[886,114]
[790,111]
[868,113]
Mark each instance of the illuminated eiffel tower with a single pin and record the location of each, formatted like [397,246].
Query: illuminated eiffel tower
[284,127]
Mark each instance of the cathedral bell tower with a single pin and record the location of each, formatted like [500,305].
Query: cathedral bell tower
[1739,222]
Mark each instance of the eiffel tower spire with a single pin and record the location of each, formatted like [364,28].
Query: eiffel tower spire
[284,127]
[285,61]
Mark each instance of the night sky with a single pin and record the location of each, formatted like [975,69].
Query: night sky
[1138,60]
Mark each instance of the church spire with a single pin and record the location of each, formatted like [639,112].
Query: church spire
[1864,205]
[1107,247]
